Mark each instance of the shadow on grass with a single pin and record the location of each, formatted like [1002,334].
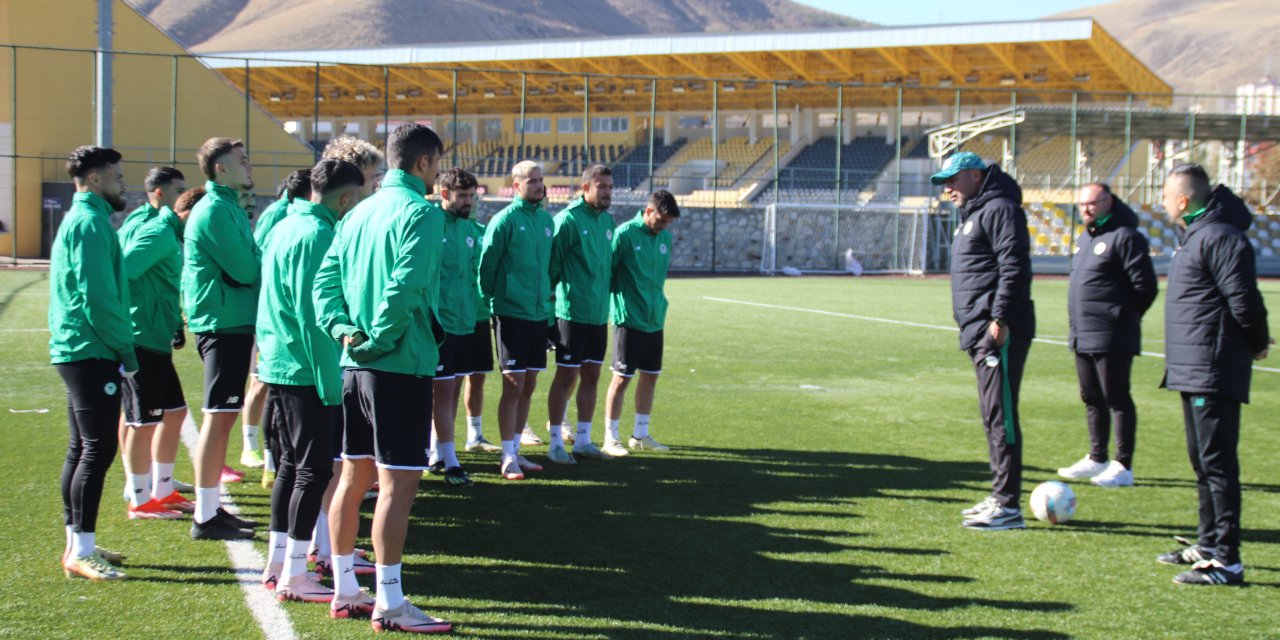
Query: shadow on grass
[696,543]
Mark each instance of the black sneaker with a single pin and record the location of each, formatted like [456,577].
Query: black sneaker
[1211,572]
[997,518]
[1186,555]
[436,468]
[233,520]
[456,477]
[218,529]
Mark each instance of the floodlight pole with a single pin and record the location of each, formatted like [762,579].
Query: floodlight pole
[653,118]
[102,75]
[315,117]
[173,114]
[454,124]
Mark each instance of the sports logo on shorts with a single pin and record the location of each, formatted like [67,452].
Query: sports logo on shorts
[439,368]
[233,399]
[511,363]
[155,412]
[992,361]
[110,388]
[968,226]
[662,248]
[471,242]
[1099,249]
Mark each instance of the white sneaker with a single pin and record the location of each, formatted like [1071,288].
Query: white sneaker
[482,445]
[1114,476]
[1084,468]
[528,438]
[558,455]
[407,617]
[614,449]
[590,450]
[647,443]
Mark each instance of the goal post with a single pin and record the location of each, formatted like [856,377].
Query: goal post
[819,239]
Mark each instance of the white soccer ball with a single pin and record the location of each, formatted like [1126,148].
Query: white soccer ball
[1054,502]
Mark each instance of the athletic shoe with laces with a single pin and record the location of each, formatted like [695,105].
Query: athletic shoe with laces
[303,588]
[234,520]
[268,479]
[528,438]
[94,567]
[361,604]
[408,618]
[1114,476]
[153,510]
[1211,572]
[1191,554]
[1083,469]
[252,458]
[231,476]
[184,487]
[178,502]
[614,449]
[527,464]
[482,445]
[510,469]
[218,529]
[457,477]
[590,450]
[996,518]
[313,556]
[987,503]
[436,468]
[271,575]
[114,557]
[647,443]
[559,455]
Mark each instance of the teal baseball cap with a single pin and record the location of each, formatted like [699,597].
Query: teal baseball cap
[956,163]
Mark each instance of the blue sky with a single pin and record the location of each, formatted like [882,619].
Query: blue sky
[907,12]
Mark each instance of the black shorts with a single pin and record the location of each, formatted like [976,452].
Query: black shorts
[154,390]
[636,351]
[303,425]
[522,344]
[578,343]
[226,369]
[386,417]
[454,358]
[479,356]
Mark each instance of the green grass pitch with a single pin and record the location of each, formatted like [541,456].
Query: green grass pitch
[818,466]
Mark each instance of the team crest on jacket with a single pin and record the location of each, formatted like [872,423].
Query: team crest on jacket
[608,234]
[968,226]
[662,248]
[1099,248]
[548,230]
[471,242]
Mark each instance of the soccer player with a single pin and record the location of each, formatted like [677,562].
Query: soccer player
[299,365]
[514,273]
[641,257]
[1112,284]
[220,279]
[375,293]
[363,155]
[151,243]
[1215,326]
[91,346]
[460,258]
[991,301]
[581,263]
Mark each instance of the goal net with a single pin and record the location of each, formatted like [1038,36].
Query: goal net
[840,239]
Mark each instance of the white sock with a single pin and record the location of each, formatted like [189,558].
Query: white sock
[296,557]
[583,436]
[344,575]
[139,488]
[557,438]
[323,546]
[516,443]
[433,453]
[83,544]
[509,450]
[390,592]
[276,541]
[474,428]
[162,481]
[448,452]
[613,430]
[208,499]
[251,437]
[642,425]
[71,538]
[268,461]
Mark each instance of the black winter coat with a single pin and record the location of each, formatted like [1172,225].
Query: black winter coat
[1214,319]
[991,262]
[1112,285]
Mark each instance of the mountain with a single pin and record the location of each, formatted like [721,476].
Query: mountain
[259,25]
[1208,46]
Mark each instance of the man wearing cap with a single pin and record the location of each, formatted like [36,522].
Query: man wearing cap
[991,302]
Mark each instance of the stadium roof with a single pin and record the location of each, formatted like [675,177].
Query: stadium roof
[1036,58]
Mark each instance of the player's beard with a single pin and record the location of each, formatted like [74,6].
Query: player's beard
[116,200]
[463,212]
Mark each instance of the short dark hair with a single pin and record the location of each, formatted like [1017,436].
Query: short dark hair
[663,202]
[87,159]
[160,177]
[1198,181]
[295,185]
[456,179]
[409,142]
[187,201]
[211,151]
[1106,188]
[332,174]
[595,171]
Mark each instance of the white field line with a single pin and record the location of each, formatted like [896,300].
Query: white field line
[918,325]
[248,564]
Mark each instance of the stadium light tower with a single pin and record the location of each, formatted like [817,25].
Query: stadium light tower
[103,85]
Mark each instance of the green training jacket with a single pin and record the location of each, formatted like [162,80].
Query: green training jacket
[381,278]
[459,264]
[151,241]
[515,261]
[580,263]
[221,264]
[640,262]
[292,348]
[483,303]
[88,289]
[271,216]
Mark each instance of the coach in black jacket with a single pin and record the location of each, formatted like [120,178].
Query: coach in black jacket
[991,301]
[1215,327]
[1112,285]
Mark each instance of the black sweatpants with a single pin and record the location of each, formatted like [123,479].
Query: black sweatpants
[999,373]
[302,428]
[93,411]
[1213,432]
[1104,387]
